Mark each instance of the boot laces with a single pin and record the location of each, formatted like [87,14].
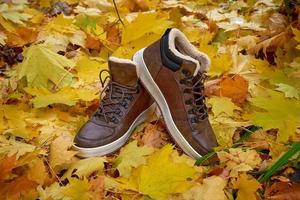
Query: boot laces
[194,85]
[115,101]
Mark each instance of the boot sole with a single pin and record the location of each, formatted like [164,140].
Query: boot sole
[153,89]
[117,144]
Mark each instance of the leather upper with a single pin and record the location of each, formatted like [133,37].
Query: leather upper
[99,131]
[200,135]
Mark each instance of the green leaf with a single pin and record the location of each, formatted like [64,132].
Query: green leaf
[277,112]
[42,65]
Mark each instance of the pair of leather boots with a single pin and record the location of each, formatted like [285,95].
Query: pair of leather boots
[170,74]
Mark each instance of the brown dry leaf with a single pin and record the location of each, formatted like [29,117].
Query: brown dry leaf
[92,43]
[97,188]
[13,190]
[283,191]
[154,135]
[6,166]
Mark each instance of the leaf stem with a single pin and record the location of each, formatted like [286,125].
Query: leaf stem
[117,11]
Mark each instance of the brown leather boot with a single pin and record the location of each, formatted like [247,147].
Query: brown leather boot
[172,70]
[125,105]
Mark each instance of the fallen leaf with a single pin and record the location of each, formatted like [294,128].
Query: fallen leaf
[131,156]
[12,147]
[222,105]
[212,188]
[234,87]
[77,189]
[7,164]
[60,155]
[238,160]
[247,187]
[282,191]
[42,65]
[272,114]
[17,188]
[160,177]
[85,167]
[97,188]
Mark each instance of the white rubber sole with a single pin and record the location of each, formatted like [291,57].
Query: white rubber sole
[153,89]
[115,145]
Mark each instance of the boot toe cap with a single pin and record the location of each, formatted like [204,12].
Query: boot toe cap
[93,135]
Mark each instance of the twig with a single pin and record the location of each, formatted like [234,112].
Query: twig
[117,11]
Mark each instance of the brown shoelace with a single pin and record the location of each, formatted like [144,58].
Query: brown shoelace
[115,101]
[194,85]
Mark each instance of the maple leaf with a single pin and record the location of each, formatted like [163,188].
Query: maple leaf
[238,160]
[131,156]
[160,176]
[88,69]
[222,105]
[7,164]
[42,65]
[144,23]
[281,113]
[68,96]
[212,188]
[289,91]
[14,13]
[53,191]
[12,147]
[247,187]
[16,120]
[219,64]
[97,188]
[85,167]
[37,171]
[77,189]
[17,188]
[60,156]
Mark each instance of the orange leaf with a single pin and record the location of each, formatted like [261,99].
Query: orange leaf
[13,190]
[92,43]
[235,87]
[22,37]
[6,166]
[97,188]
[283,190]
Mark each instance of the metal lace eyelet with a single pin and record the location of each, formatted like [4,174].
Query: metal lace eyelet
[182,81]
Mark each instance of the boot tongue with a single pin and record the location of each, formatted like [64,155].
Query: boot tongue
[123,71]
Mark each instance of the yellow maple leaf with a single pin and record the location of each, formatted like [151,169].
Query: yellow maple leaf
[84,168]
[88,69]
[37,171]
[143,24]
[160,176]
[131,156]
[68,96]
[212,188]
[77,189]
[60,155]
[247,187]
[222,105]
